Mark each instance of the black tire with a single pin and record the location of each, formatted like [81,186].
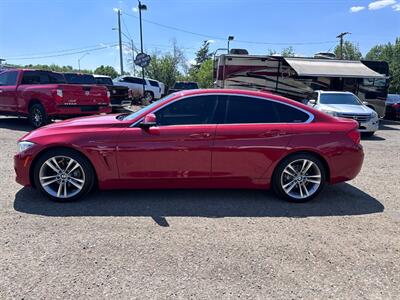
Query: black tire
[277,178]
[87,174]
[37,115]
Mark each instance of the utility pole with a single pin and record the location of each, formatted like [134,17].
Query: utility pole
[141,7]
[133,58]
[120,43]
[340,36]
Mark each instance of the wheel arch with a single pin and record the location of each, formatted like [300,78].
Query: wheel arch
[58,147]
[309,152]
[34,101]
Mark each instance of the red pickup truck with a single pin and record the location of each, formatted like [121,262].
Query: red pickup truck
[44,95]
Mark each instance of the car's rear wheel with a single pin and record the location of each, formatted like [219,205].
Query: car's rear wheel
[63,175]
[37,115]
[299,177]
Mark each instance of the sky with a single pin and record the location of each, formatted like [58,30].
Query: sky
[64,31]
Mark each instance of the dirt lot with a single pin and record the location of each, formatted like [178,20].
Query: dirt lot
[205,244]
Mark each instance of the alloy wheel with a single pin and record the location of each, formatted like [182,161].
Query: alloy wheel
[62,177]
[37,118]
[301,179]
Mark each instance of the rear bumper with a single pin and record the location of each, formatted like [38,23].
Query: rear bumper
[73,110]
[347,164]
[121,103]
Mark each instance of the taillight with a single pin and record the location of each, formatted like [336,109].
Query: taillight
[396,105]
[355,136]
[59,93]
[108,94]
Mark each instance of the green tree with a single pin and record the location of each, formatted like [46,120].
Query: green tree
[351,51]
[391,54]
[288,52]
[202,55]
[204,76]
[163,68]
[106,70]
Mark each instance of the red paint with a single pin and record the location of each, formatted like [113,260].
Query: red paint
[16,99]
[197,156]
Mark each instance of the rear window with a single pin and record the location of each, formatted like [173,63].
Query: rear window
[42,77]
[79,78]
[103,80]
[154,83]
[186,85]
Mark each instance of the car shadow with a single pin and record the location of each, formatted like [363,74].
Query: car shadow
[18,124]
[372,138]
[383,125]
[339,200]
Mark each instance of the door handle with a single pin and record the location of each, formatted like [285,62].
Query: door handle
[200,135]
[274,132]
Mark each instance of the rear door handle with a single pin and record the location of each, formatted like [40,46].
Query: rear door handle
[274,132]
[200,135]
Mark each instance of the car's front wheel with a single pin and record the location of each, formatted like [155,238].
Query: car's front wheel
[299,177]
[63,175]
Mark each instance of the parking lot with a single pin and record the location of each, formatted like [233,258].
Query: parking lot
[205,243]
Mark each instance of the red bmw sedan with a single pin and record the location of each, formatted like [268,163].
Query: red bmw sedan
[194,139]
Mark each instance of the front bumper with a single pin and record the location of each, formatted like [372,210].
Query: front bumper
[369,126]
[22,163]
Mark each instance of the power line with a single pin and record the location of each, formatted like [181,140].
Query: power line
[224,38]
[63,54]
[61,51]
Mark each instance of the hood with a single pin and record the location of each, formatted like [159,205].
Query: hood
[81,125]
[346,108]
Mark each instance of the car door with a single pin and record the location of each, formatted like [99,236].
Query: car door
[178,148]
[250,139]
[8,88]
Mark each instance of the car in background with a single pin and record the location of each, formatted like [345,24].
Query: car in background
[119,95]
[393,106]
[212,138]
[183,85]
[346,105]
[44,95]
[135,85]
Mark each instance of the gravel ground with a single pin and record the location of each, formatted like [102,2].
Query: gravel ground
[205,244]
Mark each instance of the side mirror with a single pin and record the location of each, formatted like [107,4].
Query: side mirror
[312,102]
[150,120]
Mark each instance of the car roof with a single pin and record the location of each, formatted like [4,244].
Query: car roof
[101,76]
[335,92]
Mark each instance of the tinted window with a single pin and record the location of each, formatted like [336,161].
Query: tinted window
[73,78]
[193,110]
[289,114]
[103,80]
[153,83]
[250,110]
[8,78]
[186,85]
[55,78]
[133,80]
[31,77]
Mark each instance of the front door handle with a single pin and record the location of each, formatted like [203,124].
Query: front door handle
[200,135]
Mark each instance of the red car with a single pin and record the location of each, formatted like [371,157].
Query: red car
[195,139]
[44,95]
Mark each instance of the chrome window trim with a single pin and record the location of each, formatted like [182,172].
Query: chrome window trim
[309,120]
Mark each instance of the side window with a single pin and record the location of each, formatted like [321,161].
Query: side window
[31,77]
[137,80]
[188,111]
[289,114]
[56,78]
[250,110]
[8,78]
[153,83]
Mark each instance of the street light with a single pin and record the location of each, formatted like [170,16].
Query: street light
[79,60]
[141,7]
[230,38]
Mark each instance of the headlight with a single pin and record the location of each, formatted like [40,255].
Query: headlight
[374,115]
[24,145]
[330,112]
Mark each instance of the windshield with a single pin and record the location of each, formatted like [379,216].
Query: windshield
[147,108]
[347,99]
[186,85]
[103,80]
[79,78]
